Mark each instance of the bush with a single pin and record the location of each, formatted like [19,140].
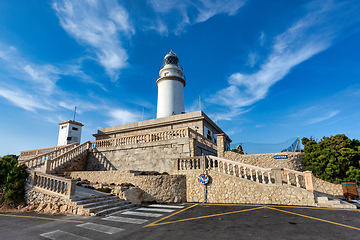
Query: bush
[12,180]
[333,159]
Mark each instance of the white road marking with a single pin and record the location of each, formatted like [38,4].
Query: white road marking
[155,209]
[100,228]
[125,220]
[60,235]
[165,206]
[143,214]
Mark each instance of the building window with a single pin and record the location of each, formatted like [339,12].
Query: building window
[75,129]
[64,126]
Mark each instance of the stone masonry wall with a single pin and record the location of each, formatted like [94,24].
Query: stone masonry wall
[154,156]
[228,189]
[266,160]
[160,188]
[327,188]
[41,202]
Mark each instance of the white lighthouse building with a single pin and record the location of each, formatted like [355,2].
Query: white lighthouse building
[69,132]
[170,83]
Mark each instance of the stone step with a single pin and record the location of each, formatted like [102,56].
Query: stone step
[342,206]
[112,210]
[106,206]
[93,198]
[98,203]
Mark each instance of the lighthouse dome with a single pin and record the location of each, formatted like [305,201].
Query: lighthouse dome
[171,58]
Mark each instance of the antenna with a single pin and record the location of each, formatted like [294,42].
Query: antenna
[75,113]
[142,116]
[200,102]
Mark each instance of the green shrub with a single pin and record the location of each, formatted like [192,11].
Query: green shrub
[12,180]
[333,159]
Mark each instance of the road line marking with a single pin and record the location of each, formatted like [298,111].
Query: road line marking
[125,220]
[165,206]
[58,234]
[142,214]
[43,218]
[100,228]
[173,214]
[155,209]
[207,216]
[314,218]
[318,208]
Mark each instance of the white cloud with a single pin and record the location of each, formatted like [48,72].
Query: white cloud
[122,116]
[23,100]
[305,38]
[101,25]
[323,118]
[188,12]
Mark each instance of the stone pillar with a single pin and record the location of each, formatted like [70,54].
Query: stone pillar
[71,186]
[193,147]
[33,179]
[46,167]
[220,144]
[276,173]
[308,181]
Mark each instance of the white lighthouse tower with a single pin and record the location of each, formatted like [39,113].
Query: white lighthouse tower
[170,83]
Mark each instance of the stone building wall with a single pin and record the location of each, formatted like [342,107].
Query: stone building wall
[160,188]
[153,156]
[228,189]
[266,160]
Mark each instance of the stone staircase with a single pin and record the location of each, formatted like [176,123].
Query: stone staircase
[102,205]
[329,202]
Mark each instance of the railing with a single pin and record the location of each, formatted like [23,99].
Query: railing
[52,184]
[201,139]
[236,169]
[143,138]
[39,160]
[24,155]
[246,171]
[52,164]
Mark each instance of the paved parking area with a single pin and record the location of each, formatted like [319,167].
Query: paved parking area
[190,221]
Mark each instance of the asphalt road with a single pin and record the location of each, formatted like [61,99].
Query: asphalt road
[189,221]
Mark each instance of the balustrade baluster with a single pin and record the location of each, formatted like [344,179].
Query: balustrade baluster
[257,175]
[223,167]
[262,177]
[288,178]
[269,178]
[251,175]
[297,180]
[228,168]
[245,176]
[239,171]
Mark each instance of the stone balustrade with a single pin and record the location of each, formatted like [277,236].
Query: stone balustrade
[39,160]
[52,184]
[143,138]
[52,164]
[245,171]
[25,155]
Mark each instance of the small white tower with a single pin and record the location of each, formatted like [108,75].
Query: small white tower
[69,132]
[170,83]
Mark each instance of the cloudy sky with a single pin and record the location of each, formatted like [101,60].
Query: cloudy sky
[266,71]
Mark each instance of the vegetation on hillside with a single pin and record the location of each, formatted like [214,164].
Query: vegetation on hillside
[12,180]
[333,159]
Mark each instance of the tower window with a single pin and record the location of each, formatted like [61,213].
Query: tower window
[75,129]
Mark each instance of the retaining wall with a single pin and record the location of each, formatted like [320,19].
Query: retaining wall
[266,160]
[228,189]
[160,188]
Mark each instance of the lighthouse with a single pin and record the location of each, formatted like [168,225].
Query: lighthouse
[170,83]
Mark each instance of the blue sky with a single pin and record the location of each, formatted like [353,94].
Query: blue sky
[268,71]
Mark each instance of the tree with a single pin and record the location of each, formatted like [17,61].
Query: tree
[333,159]
[12,180]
